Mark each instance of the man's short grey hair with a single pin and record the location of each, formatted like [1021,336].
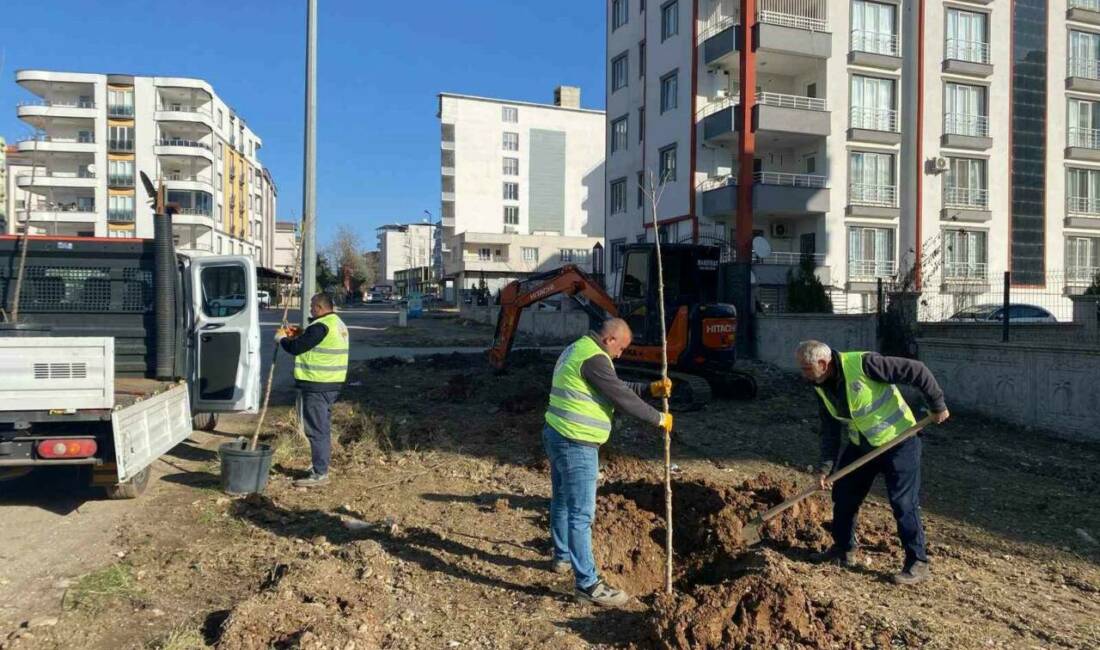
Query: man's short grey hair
[616,327]
[810,352]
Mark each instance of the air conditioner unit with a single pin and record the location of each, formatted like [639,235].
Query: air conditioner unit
[780,230]
[939,164]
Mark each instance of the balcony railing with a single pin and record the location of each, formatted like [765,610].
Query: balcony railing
[874,119]
[201,212]
[716,182]
[1084,138]
[116,180]
[881,196]
[1091,5]
[966,124]
[791,101]
[195,178]
[874,42]
[724,14]
[1082,274]
[54,206]
[182,142]
[959,49]
[717,104]
[120,145]
[812,15]
[1083,205]
[860,269]
[181,108]
[790,180]
[790,259]
[120,215]
[474,257]
[973,198]
[59,103]
[965,270]
[83,139]
[49,173]
[120,110]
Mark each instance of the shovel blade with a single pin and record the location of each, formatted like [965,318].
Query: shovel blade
[750,534]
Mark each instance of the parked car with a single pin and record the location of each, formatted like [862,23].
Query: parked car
[993,313]
[263,298]
[228,305]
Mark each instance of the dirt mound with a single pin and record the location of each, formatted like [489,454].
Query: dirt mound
[763,606]
[459,387]
[328,603]
[525,402]
[384,363]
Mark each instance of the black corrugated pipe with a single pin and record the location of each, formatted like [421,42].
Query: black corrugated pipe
[164,255]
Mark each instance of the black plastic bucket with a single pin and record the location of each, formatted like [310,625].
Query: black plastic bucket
[244,471]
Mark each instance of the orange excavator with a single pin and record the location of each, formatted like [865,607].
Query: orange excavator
[701,330]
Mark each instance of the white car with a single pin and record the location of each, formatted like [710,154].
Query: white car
[993,313]
[263,299]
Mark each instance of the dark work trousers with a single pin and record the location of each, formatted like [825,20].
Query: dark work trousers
[901,467]
[317,417]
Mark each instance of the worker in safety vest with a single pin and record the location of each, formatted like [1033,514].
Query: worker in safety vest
[858,389]
[583,397]
[320,368]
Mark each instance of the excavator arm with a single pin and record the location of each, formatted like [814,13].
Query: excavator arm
[520,294]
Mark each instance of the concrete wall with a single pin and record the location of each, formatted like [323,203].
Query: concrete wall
[1019,332]
[552,325]
[777,335]
[1030,384]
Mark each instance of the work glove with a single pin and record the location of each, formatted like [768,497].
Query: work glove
[666,423]
[281,334]
[661,388]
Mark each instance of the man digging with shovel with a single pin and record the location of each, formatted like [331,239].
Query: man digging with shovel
[858,388]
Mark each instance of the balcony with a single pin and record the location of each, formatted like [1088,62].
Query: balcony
[447,196]
[49,178]
[864,274]
[874,49]
[961,56]
[48,144]
[1083,144]
[872,200]
[1082,212]
[60,213]
[965,277]
[966,131]
[779,113]
[1083,75]
[195,182]
[447,171]
[774,193]
[1081,275]
[120,216]
[183,147]
[799,27]
[877,125]
[182,112]
[967,204]
[39,109]
[1084,11]
[124,111]
[116,144]
[773,269]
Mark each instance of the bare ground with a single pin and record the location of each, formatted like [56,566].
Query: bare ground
[433,536]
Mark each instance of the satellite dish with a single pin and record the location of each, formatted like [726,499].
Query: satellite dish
[752,277]
[91,168]
[760,247]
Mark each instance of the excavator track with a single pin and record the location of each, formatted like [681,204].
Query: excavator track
[689,392]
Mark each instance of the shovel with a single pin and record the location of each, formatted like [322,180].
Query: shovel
[751,532]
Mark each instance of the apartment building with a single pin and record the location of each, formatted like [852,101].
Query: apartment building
[4,183]
[94,133]
[522,186]
[964,133]
[285,243]
[405,246]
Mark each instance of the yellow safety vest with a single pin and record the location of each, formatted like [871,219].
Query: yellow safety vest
[328,362]
[577,411]
[878,411]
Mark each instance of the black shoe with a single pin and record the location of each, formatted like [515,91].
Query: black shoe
[914,574]
[834,555]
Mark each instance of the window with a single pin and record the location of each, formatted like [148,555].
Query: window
[1082,259]
[219,148]
[484,254]
[219,245]
[641,189]
[669,89]
[511,141]
[511,215]
[511,166]
[617,246]
[223,291]
[965,111]
[618,196]
[619,72]
[968,38]
[219,186]
[870,253]
[811,165]
[667,158]
[221,119]
[1083,191]
[636,275]
[565,254]
[120,208]
[641,60]
[120,173]
[530,254]
[670,20]
[511,191]
[120,103]
[641,124]
[871,177]
[509,114]
[221,215]
[964,186]
[619,134]
[580,255]
[964,255]
[873,104]
[620,13]
[120,138]
[874,28]
[1083,124]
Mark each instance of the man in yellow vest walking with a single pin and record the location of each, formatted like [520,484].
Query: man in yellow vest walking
[858,389]
[320,368]
[583,397]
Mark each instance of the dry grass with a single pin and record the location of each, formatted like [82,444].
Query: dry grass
[93,590]
[181,638]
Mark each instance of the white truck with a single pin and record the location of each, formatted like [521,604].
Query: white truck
[121,348]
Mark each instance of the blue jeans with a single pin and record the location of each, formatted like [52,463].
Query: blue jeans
[901,468]
[317,418]
[574,468]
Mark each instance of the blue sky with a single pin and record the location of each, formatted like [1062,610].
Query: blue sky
[380,65]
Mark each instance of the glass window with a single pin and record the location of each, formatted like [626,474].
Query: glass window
[617,246]
[1082,259]
[509,114]
[870,252]
[484,254]
[964,254]
[511,166]
[668,164]
[511,191]
[641,59]
[967,36]
[581,255]
[120,103]
[620,13]
[641,124]
[219,186]
[618,196]
[619,72]
[223,289]
[121,173]
[636,277]
[1083,124]
[872,102]
[669,89]
[511,141]
[670,20]
[1083,191]
[619,134]
[565,254]
[964,110]
[511,215]
[530,254]
[641,189]
[874,27]
[965,184]
[120,138]
[872,179]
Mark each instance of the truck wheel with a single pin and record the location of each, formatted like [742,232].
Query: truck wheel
[131,489]
[204,421]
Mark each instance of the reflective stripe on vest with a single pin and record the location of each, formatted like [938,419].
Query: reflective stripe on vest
[576,410]
[328,362]
[878,411]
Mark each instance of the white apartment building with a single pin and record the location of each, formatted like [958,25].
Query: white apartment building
[405,246]
[990,163]
[94,133]
[285,242]
[522,186]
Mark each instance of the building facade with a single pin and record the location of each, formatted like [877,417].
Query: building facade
[405,246]
[285,242]
[518,180]
[94,134]
[939,143]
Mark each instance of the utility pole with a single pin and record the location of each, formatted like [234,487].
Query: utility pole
[309,177]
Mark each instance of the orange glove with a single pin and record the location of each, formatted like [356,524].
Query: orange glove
[661,388]
[666,423]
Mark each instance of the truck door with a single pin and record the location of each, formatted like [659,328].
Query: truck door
[225,335]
